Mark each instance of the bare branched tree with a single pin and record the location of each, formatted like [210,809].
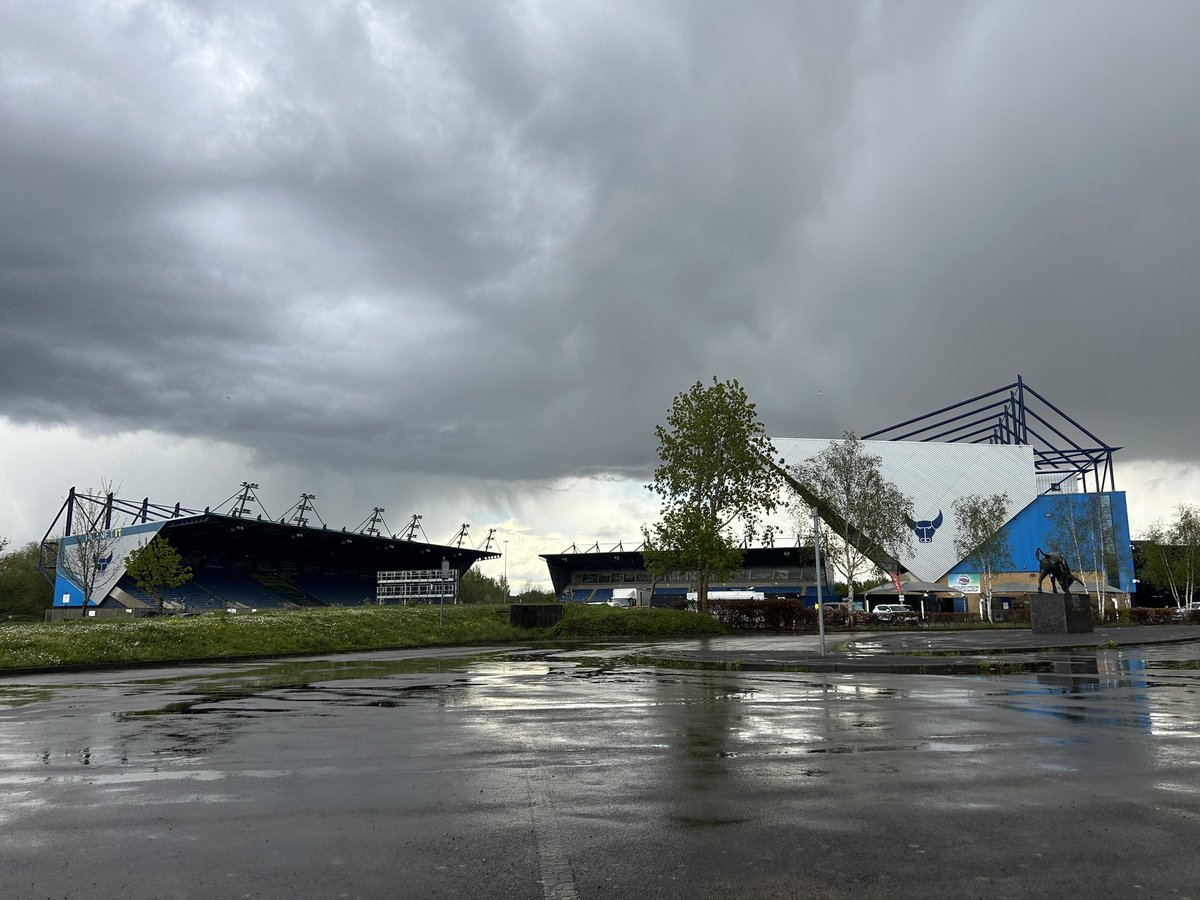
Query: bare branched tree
[848,478]
[1172,553]
[982,540]
[84,557]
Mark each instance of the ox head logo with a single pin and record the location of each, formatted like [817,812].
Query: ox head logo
[926,527]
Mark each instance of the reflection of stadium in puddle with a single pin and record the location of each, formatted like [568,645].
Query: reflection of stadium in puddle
[601,710]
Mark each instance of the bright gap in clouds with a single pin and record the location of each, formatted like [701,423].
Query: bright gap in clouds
[39,465]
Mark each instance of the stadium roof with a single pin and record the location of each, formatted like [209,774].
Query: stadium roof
[1015,414]
[563,565]
[240,534]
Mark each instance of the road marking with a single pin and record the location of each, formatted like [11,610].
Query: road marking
[557,879]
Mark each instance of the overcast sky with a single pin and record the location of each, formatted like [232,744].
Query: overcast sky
[457,258]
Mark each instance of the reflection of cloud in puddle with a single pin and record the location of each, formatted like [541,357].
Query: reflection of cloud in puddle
[20,801]
[1177,787]
[130,778]
[500,669]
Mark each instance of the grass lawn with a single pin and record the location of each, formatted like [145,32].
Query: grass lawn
[87,642]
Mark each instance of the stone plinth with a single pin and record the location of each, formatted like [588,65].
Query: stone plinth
[1060,613]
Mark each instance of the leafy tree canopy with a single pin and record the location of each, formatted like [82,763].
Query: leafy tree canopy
[24,593]
[1171,553]
[475,587]
[1083,532]
[712,476]
[848,480]
[981,537]
[156,567]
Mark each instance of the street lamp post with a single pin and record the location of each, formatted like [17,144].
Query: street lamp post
[817,559]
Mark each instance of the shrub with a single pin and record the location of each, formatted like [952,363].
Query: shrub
[953,619]
[605,621]
[1019,615]
[772,614]
[1141,615]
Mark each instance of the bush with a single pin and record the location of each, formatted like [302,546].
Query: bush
[1141,615]
[771,614]
[580,620]
[1019,615]
[954,619]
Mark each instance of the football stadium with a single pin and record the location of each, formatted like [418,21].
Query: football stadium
[1057,475]
[243,559]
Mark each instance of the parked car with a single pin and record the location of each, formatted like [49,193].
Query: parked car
[894,613]
[1188,609]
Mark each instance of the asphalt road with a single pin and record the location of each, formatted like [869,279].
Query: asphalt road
[560,774]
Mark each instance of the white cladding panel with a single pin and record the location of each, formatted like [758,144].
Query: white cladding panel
[120,542]
[933,476]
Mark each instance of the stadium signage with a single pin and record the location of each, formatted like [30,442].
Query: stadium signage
[968,584]
[926,528]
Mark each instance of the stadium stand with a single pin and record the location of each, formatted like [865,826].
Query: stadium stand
[237,560]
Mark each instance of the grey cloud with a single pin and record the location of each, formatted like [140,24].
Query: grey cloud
[494,241]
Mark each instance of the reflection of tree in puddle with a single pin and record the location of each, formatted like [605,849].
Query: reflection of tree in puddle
[1073,674]
[216,707]
[698,717]
[13,696]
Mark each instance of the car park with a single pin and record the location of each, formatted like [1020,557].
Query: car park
[894,613]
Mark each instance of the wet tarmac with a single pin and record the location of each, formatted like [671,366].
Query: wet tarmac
[672,769]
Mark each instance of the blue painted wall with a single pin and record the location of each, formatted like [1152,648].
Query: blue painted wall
[1029,529]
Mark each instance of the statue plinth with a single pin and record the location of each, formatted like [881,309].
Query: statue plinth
[1060,613]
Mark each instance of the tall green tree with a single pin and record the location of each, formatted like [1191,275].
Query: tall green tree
[531,593]
[1171,553]
[475,587]
[156,567]
[24,593]
[981,538]
[713,479]
[869,510]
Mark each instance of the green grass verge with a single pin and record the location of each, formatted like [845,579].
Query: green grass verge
[606,621]
[89,642]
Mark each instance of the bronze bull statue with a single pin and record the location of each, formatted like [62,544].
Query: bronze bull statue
[1054,566]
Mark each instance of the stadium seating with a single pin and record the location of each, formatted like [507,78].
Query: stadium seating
[234,588]
[338,590]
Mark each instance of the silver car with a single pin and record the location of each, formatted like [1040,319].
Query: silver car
[894,612]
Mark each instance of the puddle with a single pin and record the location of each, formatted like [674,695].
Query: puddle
[17,696]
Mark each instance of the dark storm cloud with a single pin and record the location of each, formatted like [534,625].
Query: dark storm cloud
[1021,199]
[496,239]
